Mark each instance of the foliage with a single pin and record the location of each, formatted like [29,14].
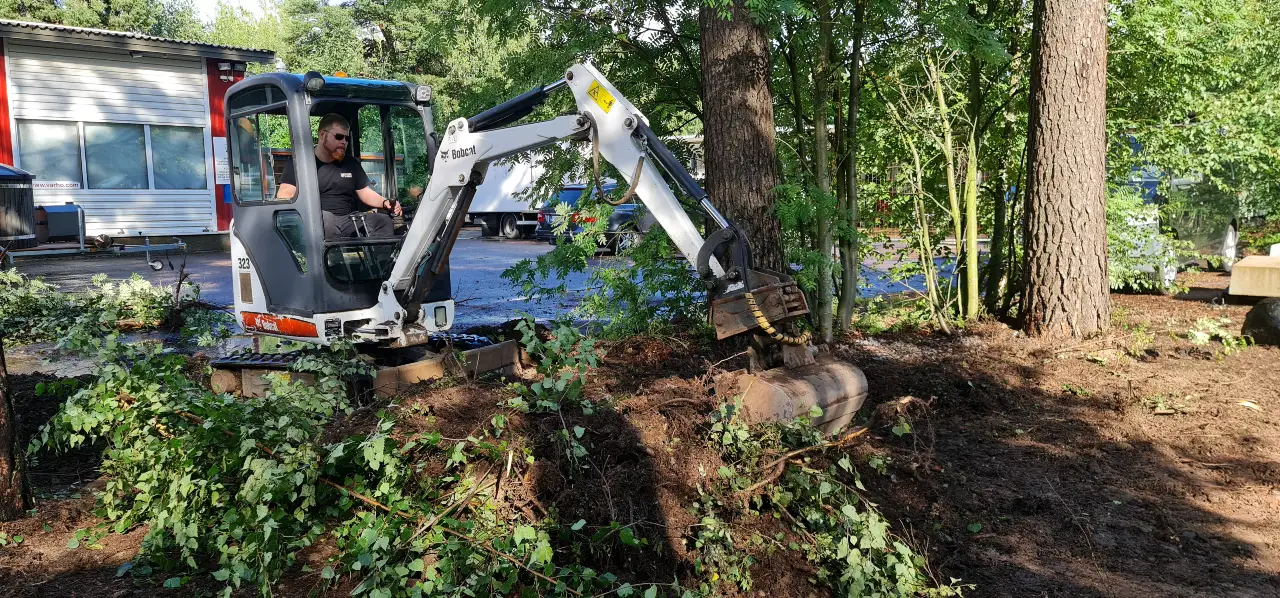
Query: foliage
[1139,253]
[1210,329]
[1187,85]
[1261,238]
[199,489]
[563,360]
[243,483]
[34,311]
[175,19]
[645,290]
[835,528]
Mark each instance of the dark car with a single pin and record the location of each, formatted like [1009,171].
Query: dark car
[626,225]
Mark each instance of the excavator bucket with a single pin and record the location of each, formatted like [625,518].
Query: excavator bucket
[799,381]
[836,387]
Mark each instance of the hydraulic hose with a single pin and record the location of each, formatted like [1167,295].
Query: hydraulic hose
[768,328]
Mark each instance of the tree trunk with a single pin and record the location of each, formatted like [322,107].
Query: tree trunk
[822,170]
[742,168]
[1065,291]
[15,497]
[797,104]
[948,154]
[849,256]
[971,230]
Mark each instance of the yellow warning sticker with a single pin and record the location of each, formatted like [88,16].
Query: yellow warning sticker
[603,98]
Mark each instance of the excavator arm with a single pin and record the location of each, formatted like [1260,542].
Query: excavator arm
[742,299]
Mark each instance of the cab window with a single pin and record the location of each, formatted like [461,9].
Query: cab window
[259,144]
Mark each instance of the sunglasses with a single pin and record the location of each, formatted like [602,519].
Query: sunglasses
[340,136]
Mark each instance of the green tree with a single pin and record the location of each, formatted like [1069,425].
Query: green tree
[321,37]
[44,11]
[1195,83]
[235,26]
[163,18]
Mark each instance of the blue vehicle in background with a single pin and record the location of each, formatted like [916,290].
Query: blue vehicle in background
[627,225]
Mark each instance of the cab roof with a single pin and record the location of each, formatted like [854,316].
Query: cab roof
[339,87]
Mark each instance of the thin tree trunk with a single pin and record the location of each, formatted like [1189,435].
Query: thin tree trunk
[742,168]
[1013,265]
[822,171]
[797,105]
[971,230]
[995,270]
[15,495]
[839,223]
[926,247]
[849,246]
[1065,277]
[948,154]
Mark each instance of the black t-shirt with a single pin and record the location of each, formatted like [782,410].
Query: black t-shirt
[339,182]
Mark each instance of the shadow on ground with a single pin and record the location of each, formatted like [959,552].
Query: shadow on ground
[1026,489]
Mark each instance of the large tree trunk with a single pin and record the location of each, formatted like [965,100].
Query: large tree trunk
[822,170]
[1065,290]
[738,131]
[15,497]
[849,262]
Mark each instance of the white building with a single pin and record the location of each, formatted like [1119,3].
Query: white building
[128,126]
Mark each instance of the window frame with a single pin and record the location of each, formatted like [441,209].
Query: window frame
[252,111]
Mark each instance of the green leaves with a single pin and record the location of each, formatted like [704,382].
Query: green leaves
[525,533]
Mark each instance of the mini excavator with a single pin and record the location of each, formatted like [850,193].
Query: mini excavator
[393,292]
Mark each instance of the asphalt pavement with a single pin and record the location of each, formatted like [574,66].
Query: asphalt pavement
[476,266]
[477,263]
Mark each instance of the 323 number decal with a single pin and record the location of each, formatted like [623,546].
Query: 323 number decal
[243,263]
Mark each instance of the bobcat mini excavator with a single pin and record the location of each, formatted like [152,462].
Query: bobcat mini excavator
[385,293]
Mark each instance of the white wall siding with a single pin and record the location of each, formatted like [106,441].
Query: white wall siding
[63,83]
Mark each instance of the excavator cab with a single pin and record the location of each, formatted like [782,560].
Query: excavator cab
[290,280]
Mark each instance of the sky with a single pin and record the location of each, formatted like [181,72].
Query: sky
[209,8]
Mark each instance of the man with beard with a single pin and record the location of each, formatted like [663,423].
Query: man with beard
[344,186]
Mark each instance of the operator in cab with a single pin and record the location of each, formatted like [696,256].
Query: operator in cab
[344,186]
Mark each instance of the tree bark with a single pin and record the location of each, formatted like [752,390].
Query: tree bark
[849,256]
[738,134]
[1065,291]
[822,170]
[15,496]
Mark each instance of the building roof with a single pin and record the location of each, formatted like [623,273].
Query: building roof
[126,40]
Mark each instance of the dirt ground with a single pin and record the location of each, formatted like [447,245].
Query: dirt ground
[1137,464]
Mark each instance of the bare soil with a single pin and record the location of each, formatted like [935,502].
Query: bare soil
[1136,464]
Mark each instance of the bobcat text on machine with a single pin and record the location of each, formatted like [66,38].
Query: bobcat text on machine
[394,292]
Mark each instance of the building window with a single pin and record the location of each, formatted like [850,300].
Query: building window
[178,157]
[51,150]
[116,156]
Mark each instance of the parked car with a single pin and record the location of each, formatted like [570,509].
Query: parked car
[627,225]
[1193,211]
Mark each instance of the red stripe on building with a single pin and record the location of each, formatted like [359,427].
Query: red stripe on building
[6,134]
[217,121]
